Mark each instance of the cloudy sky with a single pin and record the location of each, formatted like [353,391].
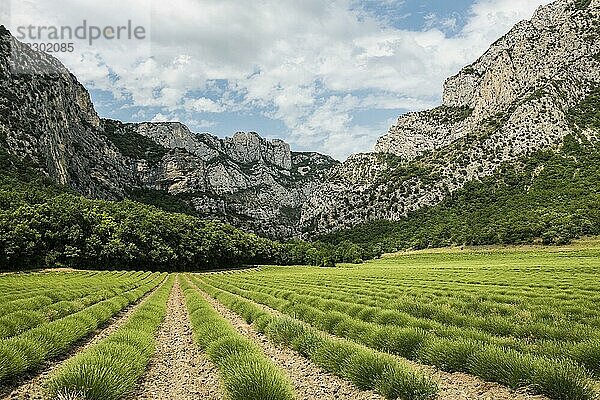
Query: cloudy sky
[329,76]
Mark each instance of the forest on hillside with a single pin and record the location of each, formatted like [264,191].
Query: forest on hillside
[550,197]
[43,224]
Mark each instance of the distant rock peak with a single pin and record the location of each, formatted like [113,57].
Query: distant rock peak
[242,147]
[513,101]
[556,46]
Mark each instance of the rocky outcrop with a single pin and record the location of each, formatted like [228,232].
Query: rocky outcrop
[421,132]
[174,135]
[514,100]
[242,148]
[48,118]
[550,58]
[254,183]
[511,102]
[248,148]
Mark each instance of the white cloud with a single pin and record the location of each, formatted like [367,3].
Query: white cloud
[163,118]
[193,124]
[203,104]
[311,64]
[198,125]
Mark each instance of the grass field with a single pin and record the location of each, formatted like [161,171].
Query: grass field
[526,318]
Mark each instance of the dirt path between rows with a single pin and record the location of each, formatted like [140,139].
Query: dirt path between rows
[31,386]
[453,386]
[310,381]
[178,369]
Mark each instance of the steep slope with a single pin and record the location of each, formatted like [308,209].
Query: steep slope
[43,225]
[254,183]
[46,117]
[509,104]
[549,197]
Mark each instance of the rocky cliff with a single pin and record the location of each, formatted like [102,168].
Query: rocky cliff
[511,102]
[514,100]
[251,182]
[47,117]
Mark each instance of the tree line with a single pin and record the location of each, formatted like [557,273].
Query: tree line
[44,225]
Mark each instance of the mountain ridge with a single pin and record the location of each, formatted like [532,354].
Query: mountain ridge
[47,117]
[510,103]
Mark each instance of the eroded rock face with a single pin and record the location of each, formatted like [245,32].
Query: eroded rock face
[175,135]
[549,57]
[511,102]
[47,116]
[254,183]
[242,148]
[420,132]
[248,148]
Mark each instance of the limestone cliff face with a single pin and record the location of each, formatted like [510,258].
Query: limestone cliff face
[512,101]
[254,183]
[547,62]
[243,148]
[47,117]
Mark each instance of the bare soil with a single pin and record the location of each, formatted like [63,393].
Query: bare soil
[59,270]
[31,386]
[178,369]
[310,381]
[460,386]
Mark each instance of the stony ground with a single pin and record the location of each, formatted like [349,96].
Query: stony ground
[178,369]
[459,386]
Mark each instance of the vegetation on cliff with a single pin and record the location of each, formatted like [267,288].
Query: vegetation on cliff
[43,224]
[552,197]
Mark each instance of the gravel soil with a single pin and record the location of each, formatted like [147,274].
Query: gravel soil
[460,386]
[453,386]
[310,381]
[30,386]
[178,369]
